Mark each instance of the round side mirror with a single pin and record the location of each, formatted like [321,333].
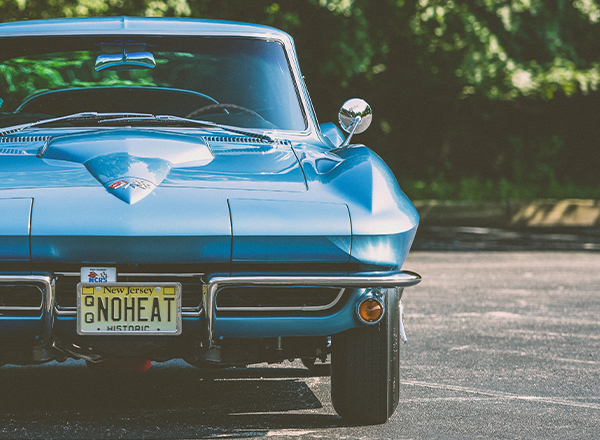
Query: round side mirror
[355,116]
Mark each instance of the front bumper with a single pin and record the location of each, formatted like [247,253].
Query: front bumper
[210,325]
[326,324]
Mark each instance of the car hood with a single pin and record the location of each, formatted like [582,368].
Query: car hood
[131,163]
[148,197]
[75,199]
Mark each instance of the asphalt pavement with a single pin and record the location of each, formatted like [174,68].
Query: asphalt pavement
[502,345]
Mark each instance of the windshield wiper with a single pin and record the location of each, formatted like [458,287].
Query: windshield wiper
[171,119]
[102,118]
[82,116]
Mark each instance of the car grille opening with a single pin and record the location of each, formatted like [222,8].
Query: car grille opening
[21,299]
[191,287]
[265,298]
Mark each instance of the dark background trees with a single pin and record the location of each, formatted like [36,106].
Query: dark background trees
[473,99]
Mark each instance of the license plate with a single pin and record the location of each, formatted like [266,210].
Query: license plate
[98,274]
[118,309]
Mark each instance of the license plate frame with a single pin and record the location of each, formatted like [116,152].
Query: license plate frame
[123,291]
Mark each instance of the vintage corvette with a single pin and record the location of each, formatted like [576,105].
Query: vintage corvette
[167,192]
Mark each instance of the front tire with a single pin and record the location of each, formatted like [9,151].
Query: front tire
[365,368]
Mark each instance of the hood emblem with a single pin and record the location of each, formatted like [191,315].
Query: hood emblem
[130,190]
[129,183]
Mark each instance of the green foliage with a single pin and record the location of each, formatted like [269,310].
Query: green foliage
[476,189]
[22,77]
[35,9]
[533,174]
[507,48]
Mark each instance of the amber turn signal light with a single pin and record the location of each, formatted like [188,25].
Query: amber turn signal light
[370,310]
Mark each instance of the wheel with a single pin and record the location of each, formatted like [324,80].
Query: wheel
[365,368]
[217,108]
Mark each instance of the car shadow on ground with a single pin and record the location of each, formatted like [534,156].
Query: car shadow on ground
[171,401]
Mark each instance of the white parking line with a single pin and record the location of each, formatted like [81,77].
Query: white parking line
[502,395]
[519,353]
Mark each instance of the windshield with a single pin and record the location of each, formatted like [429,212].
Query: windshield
[239,82]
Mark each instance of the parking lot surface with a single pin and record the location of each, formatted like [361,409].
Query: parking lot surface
[502,345]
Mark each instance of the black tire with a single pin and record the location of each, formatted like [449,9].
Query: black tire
[365,368]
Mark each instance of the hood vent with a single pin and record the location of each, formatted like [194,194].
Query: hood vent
[23,139]
[244,140]
[12,151]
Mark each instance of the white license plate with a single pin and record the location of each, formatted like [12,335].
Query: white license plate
[98,274]
[121,309]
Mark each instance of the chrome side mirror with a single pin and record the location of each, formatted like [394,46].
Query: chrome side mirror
[355,117]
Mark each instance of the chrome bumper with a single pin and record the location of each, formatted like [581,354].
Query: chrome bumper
[391,279]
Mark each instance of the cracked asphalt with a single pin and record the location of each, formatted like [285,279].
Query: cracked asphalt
[502,345]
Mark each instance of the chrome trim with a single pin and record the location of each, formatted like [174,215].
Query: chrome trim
[191,312]
[22,140]
[21,309]
[355,117]
[65,311]
[49,313]
[112,61]
[186,312]
[141,274]
[402,331]
[44,148]
[46,282]
[358,280]
[284,309]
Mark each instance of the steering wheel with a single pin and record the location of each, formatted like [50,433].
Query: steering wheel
[213,108]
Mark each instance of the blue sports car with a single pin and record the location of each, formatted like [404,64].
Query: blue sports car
[167,192]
